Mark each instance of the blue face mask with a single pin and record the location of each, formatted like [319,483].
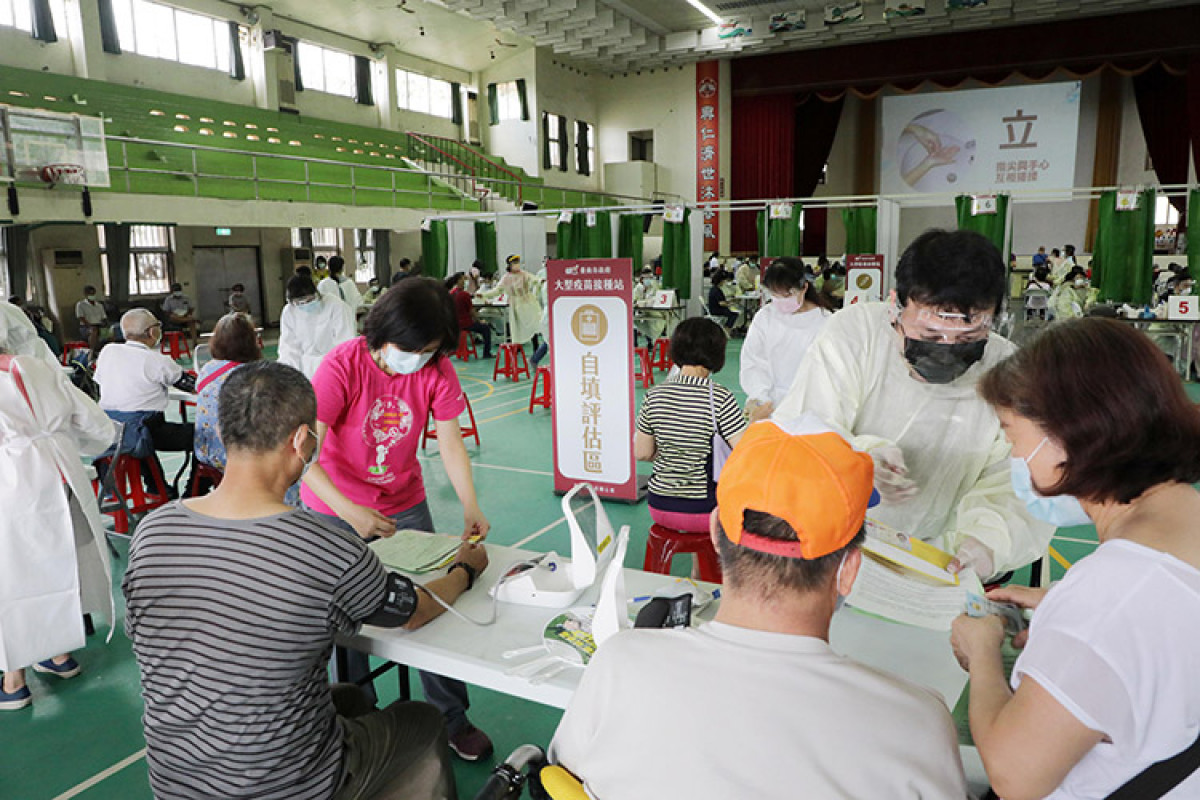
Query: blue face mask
[1061,510]
[403,362]
[309,306]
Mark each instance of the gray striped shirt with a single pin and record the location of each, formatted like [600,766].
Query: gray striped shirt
[232,624]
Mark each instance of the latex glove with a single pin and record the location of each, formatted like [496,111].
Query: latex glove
[759,410]
[974,554]
[891,475]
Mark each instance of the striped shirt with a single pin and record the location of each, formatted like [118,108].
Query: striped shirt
[232,624]
[679,416]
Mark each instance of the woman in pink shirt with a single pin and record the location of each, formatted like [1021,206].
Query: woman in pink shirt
[374,394]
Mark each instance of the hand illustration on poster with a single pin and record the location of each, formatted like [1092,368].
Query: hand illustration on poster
[935,151]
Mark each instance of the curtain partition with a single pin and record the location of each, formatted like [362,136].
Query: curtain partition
[435,247]
[383,256]
[116,242]
[677,256]
[1124,255]
[990,225]
[485,247]
[630,233]
[861,226]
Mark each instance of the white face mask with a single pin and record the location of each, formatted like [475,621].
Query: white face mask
[839,598]
[404,363]
[312,459]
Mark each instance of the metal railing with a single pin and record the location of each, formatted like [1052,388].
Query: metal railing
[475,164]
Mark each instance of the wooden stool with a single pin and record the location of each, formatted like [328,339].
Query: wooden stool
[661,360]
[467,433]
[547,396]
[664,543]
[202,470]
[128,484]
[174,344]
[642,370]
[466,346]
[510,361]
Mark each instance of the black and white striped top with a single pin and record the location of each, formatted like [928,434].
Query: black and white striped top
[677,414]
[232,624]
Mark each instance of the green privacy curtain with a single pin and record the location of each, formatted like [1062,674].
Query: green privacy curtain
[783,235]
[110,40]
[435,246]
[630,232]
[493,105]
[571,237]
[861,225]
[456,115]
[1124,253]
[523,98]
[677,256]
[485,247]
[990,225]
[597,238]
[1193,230]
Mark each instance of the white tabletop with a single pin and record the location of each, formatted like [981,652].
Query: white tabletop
[180,396]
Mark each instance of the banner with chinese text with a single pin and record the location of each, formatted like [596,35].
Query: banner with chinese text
[708,168]
[981,141]
[591,349]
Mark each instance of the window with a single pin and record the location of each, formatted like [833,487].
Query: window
[555,130]
[641,145]
[585,147]
[326,242]
[150,259]
[324,70]
[416,92]
[364,255]
[508,101]
[1164,212]
[17,14]
[158,31]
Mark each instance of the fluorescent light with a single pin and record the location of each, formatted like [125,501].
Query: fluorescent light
[706,11]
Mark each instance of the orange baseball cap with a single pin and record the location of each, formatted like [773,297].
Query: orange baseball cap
[812,479]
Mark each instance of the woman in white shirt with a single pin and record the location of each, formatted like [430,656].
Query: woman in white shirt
[1107,682]
[780,335]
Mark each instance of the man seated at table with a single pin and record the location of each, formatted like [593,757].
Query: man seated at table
[181,313]
[756,704]
[92,319]
[233,600]
[134,378]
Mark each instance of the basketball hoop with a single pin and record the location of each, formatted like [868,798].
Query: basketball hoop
[54,174]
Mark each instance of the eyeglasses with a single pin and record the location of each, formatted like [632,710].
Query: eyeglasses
[947,327]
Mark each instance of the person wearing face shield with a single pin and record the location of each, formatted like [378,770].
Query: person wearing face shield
[780,335]
[899,379]
[311,325]
[375,394]
[1072,298]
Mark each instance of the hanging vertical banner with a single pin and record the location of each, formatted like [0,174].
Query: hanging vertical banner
[591,325]
[708,181]
[864,279]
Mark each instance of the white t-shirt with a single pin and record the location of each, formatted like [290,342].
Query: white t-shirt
[774,348]
[721,712]
[133,377]
[1117,643]
[90,311]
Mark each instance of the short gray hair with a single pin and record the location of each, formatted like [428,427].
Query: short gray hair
[136,322]
[261,404]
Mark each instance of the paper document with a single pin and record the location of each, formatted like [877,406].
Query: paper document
[908,552]
[888,590]
[416,551]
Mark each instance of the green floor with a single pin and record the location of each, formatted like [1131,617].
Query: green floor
[82,738]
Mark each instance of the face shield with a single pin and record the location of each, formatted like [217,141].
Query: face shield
[940,345]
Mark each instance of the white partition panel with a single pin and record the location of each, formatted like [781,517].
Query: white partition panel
[461,250]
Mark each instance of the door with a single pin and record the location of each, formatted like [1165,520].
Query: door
[217,270]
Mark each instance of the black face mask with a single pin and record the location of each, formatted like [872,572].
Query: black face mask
[942,363]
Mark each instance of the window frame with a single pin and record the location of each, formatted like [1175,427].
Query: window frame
[322,83]
[125,14]
[405,78]
[508,102]
[135,264]
[364,255]
[553,125]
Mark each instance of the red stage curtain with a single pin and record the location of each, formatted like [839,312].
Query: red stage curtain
[1162,107]
[763,134]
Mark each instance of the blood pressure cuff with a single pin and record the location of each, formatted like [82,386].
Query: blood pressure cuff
[186,382]
[399,603]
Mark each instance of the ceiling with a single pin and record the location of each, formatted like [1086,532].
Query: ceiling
[615,36]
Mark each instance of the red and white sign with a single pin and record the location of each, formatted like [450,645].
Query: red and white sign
[708,149]
[591,347]
[864,279]
[1183,307]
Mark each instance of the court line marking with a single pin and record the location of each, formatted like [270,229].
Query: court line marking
[99,776]
[491,387]
[498,467]
[1062,562]
[522,410]
[536,534]
[1076,541]
[496,406]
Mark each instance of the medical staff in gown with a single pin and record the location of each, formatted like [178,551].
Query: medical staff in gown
[899,379]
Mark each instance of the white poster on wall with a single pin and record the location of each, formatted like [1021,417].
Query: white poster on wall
[981,140]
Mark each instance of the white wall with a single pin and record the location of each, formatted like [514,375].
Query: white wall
[516,141]
[565,91]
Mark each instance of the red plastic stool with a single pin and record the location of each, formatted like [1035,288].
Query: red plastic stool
[663,544]
[642,370]
[661,360]
[202,470]
[547,396]
[467,432]
[128,482]
[510,362]
[174,344]
[71,347]
[466,346]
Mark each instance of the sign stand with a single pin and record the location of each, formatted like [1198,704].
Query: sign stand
[591,349]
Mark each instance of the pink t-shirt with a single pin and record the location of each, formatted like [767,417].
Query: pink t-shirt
[375,423]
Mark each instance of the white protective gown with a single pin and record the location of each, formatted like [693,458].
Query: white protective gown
[856,379]
[775,346]
[19,337]
[306,336]
[345,290]
[53,565]
[653,324]
[524,310]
